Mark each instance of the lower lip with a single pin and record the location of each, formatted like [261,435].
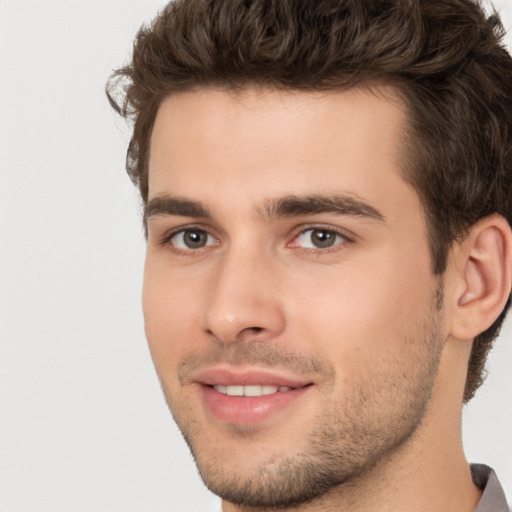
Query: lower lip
[245,410]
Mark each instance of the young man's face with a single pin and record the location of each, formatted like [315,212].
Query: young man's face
[288,262]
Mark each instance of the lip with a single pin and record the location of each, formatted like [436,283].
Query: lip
[224,376]
[243,410]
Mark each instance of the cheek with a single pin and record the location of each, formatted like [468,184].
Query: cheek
[362,308]
[170,318]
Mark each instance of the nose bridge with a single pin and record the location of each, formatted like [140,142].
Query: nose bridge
[243,299]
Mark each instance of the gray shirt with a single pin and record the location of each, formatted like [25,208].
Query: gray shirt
[493,498]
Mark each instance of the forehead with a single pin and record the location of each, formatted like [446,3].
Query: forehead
[300,142]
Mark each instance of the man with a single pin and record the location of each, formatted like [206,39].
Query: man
[327,198]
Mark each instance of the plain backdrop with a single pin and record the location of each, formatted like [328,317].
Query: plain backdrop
[83,424]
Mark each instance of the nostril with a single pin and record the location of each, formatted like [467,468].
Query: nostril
[246,333]
[253,329]
[250,332]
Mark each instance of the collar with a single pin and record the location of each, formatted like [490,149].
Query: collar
[493,498]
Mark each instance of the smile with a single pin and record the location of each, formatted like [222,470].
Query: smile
[252,390]
[250,395]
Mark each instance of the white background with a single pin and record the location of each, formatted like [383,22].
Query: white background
[83,425]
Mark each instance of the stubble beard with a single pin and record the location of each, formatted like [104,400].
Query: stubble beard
[358,431]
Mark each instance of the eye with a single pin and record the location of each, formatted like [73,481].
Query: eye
[318,238]
[190,239]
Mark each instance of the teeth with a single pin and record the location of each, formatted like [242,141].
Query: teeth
[250,390]
[235,390]
[256,391]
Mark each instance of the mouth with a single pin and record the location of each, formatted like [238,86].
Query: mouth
[251,390]
[250,397]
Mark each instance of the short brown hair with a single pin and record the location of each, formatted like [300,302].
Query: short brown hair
[444,57]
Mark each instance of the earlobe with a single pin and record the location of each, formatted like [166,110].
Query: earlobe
[485,263]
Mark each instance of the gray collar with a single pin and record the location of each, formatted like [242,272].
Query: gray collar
[493,498]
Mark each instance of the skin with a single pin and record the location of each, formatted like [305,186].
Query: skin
[361,321]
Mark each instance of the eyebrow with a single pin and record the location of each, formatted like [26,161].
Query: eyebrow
[294,206]
[288,206]
[169,205]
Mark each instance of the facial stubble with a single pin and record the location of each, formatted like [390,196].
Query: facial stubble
[358,430]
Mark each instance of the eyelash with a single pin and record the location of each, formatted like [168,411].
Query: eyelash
[338,245]
[167,239]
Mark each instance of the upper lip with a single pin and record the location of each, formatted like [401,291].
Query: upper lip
[229,376]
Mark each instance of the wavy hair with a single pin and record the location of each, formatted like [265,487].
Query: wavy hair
[444,57]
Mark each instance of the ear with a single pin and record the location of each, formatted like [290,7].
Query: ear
[483,273]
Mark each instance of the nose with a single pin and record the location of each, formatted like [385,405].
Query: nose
[244,302]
